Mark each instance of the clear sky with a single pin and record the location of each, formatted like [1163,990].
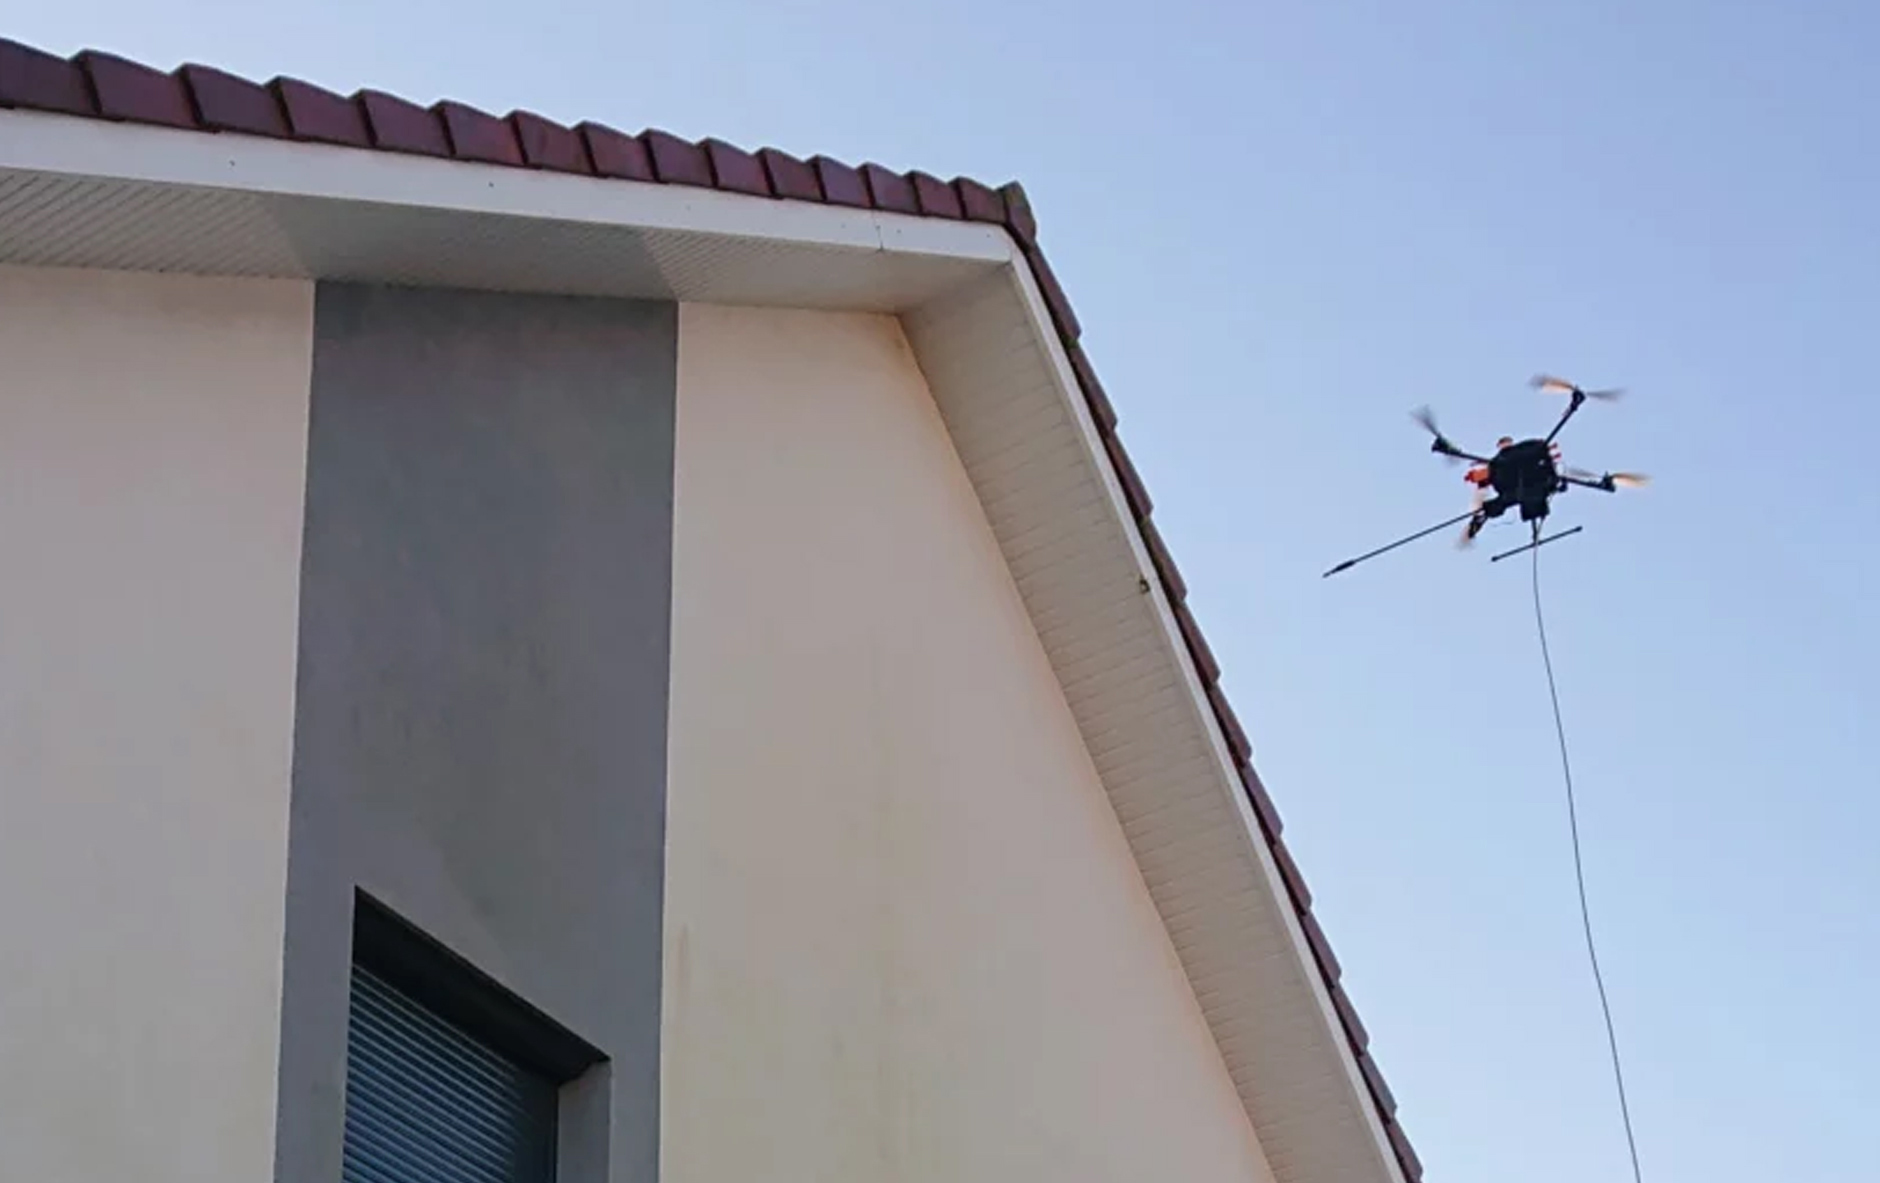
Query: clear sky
[1285,225]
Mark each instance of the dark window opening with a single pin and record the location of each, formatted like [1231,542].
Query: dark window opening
[450,1078]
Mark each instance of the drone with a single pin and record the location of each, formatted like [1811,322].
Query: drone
[1522,475]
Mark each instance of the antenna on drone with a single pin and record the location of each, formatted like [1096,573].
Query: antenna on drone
[1348,564]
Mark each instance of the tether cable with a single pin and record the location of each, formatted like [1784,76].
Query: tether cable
[1579,874]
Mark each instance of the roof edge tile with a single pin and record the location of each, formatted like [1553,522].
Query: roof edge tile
[736,170]
[478,135]
[227,103]
[399,125]
[616,154]
[677,161]
[34,80]
[549,146]
[1018,215]
[891,192]
[135,93]
[321,116]
[841,184]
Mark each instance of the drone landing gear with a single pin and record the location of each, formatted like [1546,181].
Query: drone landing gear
[1538,542]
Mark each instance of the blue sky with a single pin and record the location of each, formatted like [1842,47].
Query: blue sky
[1283,226]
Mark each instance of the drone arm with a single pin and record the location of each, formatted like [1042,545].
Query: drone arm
[1604,484]
[1579,396]
[1443,447]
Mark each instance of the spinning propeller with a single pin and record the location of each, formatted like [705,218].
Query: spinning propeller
[1440,444]
[1622,480]
[1553,385]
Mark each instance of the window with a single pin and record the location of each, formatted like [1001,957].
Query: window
[449,1077]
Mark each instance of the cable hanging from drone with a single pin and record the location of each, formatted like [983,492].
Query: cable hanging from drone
[1525,475]
[1522,475]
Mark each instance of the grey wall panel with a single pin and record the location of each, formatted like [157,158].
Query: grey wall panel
[481,716]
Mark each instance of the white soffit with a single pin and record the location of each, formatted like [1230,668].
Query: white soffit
[1026,438]
[87,193]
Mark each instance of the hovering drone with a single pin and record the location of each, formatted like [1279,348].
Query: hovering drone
[1522,475]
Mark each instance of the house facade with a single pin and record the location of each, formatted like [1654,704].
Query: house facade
[539,653]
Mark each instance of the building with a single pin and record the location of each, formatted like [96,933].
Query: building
[604,656]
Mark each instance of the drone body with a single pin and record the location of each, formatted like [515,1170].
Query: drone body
[1522,475]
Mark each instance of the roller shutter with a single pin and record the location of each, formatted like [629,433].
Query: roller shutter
[426,1102]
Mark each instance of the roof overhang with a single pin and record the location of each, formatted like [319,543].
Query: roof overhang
[89,193]
[1058,492]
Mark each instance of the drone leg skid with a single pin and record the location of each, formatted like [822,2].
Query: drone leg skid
[1538,542]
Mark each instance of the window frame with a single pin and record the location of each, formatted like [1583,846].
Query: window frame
[454,989]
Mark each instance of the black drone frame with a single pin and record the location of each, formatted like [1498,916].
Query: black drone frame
[1441,445]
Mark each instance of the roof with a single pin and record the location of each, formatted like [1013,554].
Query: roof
[103,86]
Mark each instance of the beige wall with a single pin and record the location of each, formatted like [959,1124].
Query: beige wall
[905,939]
[152,442]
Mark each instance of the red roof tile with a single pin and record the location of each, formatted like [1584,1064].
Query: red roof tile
[936,198]
[321,116]
[1198,647]
[104,86]
[401,126]
[228,103]
[477,135]
[841,183]
[980,203]
[891,191]
[548,145]
[1348,1015]
[1295,881]
[136,93]
[1172,580]
[736,170]
[677,161]
[789,177]
[1263,807]
[38,81]
[1374,1080]
[617,154]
